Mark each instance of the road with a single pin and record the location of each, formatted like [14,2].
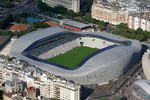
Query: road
[119,84]
[27,6]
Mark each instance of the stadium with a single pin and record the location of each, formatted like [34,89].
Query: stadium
[85,58]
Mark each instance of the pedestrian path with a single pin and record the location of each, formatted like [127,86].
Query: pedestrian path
[5,51]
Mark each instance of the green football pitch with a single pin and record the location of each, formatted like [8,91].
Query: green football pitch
[72,57]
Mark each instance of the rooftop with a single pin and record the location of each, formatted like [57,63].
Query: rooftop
[108,5]
[142,15]
[75,23]
[30,89]
[12,93]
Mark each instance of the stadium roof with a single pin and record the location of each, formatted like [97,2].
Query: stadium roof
[144,84]
[75,23]
[106,65]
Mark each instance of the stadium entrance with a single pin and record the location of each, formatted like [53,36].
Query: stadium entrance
[82,43]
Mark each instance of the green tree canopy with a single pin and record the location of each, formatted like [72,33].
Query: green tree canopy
[7,4]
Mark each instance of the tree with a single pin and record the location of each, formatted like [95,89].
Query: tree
[43,7]
[1,94]
[16,18]
[101,24]
[103,98]
[4,22]
[23,20]
[139,31]
[40,25]
[36,2]
[60,10]
[70,13]
[87,6]
[7,4]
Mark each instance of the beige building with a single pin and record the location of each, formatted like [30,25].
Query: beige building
[109,12]
[69,4]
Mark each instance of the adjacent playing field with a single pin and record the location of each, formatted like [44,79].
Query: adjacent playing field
[73,57]
[3,39]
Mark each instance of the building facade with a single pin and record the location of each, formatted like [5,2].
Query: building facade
[69,4]
[139,20]
[33,82]
[146,64]
[56,88]
[109,12]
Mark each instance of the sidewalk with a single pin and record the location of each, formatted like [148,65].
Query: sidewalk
[5,51]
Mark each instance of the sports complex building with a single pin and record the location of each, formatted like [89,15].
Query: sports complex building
[85,58]
[141,89]
[146,64]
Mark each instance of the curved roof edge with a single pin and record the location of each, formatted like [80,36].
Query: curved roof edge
[144,84]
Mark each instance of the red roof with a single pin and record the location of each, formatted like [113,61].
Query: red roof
[30,89]
[52,23]
[11,94]
[19,27]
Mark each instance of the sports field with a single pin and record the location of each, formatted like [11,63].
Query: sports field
[32,19]
[73,57]
[3,39]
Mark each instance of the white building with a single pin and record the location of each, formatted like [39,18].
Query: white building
[139,20]
[146,64]
[69,4]
[141,90]
[48,84]
[69,91]
[58,88]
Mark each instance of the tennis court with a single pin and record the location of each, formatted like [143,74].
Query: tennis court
[32,19]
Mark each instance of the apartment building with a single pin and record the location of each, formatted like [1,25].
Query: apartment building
[68,91]
[69,4]
[109,12]
[139,20]
[12,86]
[18,76]
[55,87]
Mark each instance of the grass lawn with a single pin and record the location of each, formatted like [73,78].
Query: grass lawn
[73,57]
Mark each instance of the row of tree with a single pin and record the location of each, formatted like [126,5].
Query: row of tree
[43,7]
[5,32]
[86,7]
[120,29]
[8,3]
[138,34]
[34,27]
[19,18]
